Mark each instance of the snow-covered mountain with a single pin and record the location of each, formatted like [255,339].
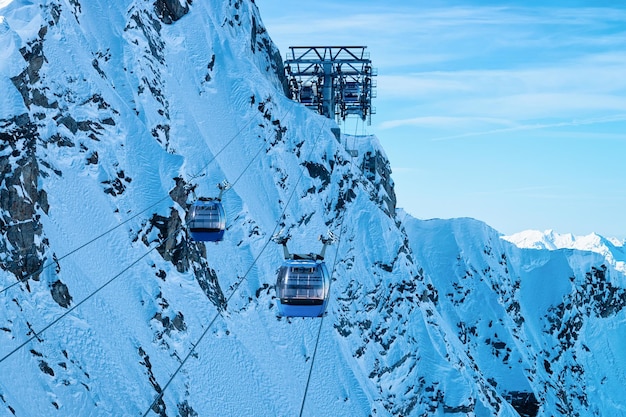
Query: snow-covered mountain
[542,322]
[612,249]
[116,115]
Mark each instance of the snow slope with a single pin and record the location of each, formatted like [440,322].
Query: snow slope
[542,321]
[116,115]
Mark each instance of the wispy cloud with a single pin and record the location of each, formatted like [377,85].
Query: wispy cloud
[447,121]
[461,29]
[481,69]
[588,73]
[551,192]
[589,88]
[536,126]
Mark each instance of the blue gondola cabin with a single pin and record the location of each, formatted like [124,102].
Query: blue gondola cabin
[207,221]
[302,288]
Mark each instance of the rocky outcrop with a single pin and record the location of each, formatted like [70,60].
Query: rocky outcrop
[21,201]
[262,43]
[179,249]
[170,11]
[377,170]
[60,294]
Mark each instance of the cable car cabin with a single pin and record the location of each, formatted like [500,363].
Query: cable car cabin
[351,91]
[306,94]
[302,288]
[207,221]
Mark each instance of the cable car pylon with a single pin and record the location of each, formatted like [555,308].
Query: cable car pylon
[335,81]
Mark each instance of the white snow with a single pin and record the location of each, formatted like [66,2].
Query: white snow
[427,317]
[11,64]
[612,249]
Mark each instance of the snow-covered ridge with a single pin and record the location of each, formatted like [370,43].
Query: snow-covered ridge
[612,249]
[113,106]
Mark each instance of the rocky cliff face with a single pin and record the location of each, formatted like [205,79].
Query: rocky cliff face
[21,198]
[22,202]
[524,316]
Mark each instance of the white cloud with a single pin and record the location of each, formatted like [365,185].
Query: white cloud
[587,88]
[445,121]
[416,85]
[588,73]
[475,70]
[537,126]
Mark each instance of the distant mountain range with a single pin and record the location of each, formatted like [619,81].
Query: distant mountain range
[612,249]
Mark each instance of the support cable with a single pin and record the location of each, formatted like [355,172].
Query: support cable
[319,331]
[235,288]
[308,379]
[199,174]
[41,269]
[306,388]
[38,333]
[232,185]
[119,274]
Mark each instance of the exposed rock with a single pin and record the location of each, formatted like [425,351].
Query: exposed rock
[185,410]
[93,159]
[261,42]
[183,253]
[61,294]
[22,245]
[45,368]
[318,171]
[170,11]
[169,249]
[179,192]
[525,403]
[25,81]
[149,29]
[159,408]
[377,170]
[69,122]
[177,323]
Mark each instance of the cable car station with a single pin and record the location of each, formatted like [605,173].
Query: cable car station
[335,81]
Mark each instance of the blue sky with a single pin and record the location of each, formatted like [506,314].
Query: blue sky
[511,113]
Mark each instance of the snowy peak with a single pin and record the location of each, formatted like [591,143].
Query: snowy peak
[118,115]
[551,240]
[612,249]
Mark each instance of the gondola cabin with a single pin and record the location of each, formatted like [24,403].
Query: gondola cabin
[306,94]
[351,91]
[302,288]
[207,221]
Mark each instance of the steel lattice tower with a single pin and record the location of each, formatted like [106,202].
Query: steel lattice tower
[332,80]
